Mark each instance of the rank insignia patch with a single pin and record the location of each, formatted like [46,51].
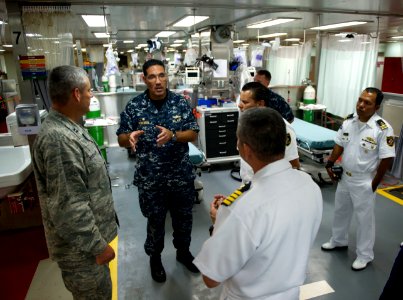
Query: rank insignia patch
[288,140]
[382,124]
[390,140]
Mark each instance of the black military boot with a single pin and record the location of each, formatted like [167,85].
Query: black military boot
[157,269]
[186,258]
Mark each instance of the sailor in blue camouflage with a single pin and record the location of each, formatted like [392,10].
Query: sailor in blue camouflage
[279,104]
[163,172]
[158,125]
[275,101]
[74,189]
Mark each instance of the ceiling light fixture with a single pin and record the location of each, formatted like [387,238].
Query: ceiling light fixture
[339,25]
[272,35]
[128,42]
[175,45]
[238,41]
[190,21]
[101,35]
[165,33]
[270,22]
[179,41]
[94,20]
[397,37]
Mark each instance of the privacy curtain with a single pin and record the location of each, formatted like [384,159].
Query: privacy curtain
[345,69]
[290,65]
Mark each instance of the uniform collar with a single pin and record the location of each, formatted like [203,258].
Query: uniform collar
[271,169]
[371,122]
[59,117]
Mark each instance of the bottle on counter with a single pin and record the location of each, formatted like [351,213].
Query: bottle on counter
[105,83]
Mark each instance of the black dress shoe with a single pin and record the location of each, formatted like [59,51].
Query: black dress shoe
[186,258]
[157,269]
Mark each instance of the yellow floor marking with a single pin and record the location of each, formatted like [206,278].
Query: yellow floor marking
[113,266]
[314,289]
[389,196]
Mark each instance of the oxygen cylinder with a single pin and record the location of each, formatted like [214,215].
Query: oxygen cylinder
[309,98]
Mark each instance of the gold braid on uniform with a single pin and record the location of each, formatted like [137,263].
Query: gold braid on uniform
[231,198]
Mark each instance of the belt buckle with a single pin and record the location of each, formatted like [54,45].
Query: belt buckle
[349,173]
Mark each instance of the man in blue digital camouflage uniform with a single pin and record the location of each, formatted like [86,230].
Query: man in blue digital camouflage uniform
[74,189]
[158,125]
[275,102]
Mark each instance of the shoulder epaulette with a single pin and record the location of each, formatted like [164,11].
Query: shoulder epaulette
[381,123]
[231,198]
[350,116]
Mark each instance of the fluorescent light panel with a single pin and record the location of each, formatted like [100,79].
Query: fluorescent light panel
[238,41]
[339,25]
[128,42]
[94,20]
[272,35]
[101,35]
[190,21]
[179,41]
[165,33]
[292,40]
[175,45]
[270,22]
[397,37]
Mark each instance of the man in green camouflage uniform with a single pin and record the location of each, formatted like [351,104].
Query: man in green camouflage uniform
[74,189]
[158,124]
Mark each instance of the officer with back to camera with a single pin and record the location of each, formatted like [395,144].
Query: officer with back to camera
[252,250]
[366,142]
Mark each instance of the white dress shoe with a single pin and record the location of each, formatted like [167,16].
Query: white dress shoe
[359,264]
[330,246]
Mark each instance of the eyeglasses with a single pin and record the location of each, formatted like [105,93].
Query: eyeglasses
[153,77]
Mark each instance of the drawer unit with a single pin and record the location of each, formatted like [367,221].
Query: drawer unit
[218,133]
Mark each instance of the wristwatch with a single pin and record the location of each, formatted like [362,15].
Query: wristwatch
[173,138]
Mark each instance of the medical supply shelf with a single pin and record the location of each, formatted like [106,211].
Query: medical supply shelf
[218,133]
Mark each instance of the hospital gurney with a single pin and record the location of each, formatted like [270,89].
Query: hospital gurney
[313,141]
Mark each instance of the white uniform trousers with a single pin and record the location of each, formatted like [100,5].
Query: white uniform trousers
[354,195]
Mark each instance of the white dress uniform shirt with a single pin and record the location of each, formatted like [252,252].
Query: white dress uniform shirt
[365,144]
[364,147]
[260,245]
[291,153]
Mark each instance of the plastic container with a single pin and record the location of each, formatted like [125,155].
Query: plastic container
[105,84]
[309,98]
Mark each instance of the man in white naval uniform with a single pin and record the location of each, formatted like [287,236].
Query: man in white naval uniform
[367,144]
[254,94]
[252,248]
